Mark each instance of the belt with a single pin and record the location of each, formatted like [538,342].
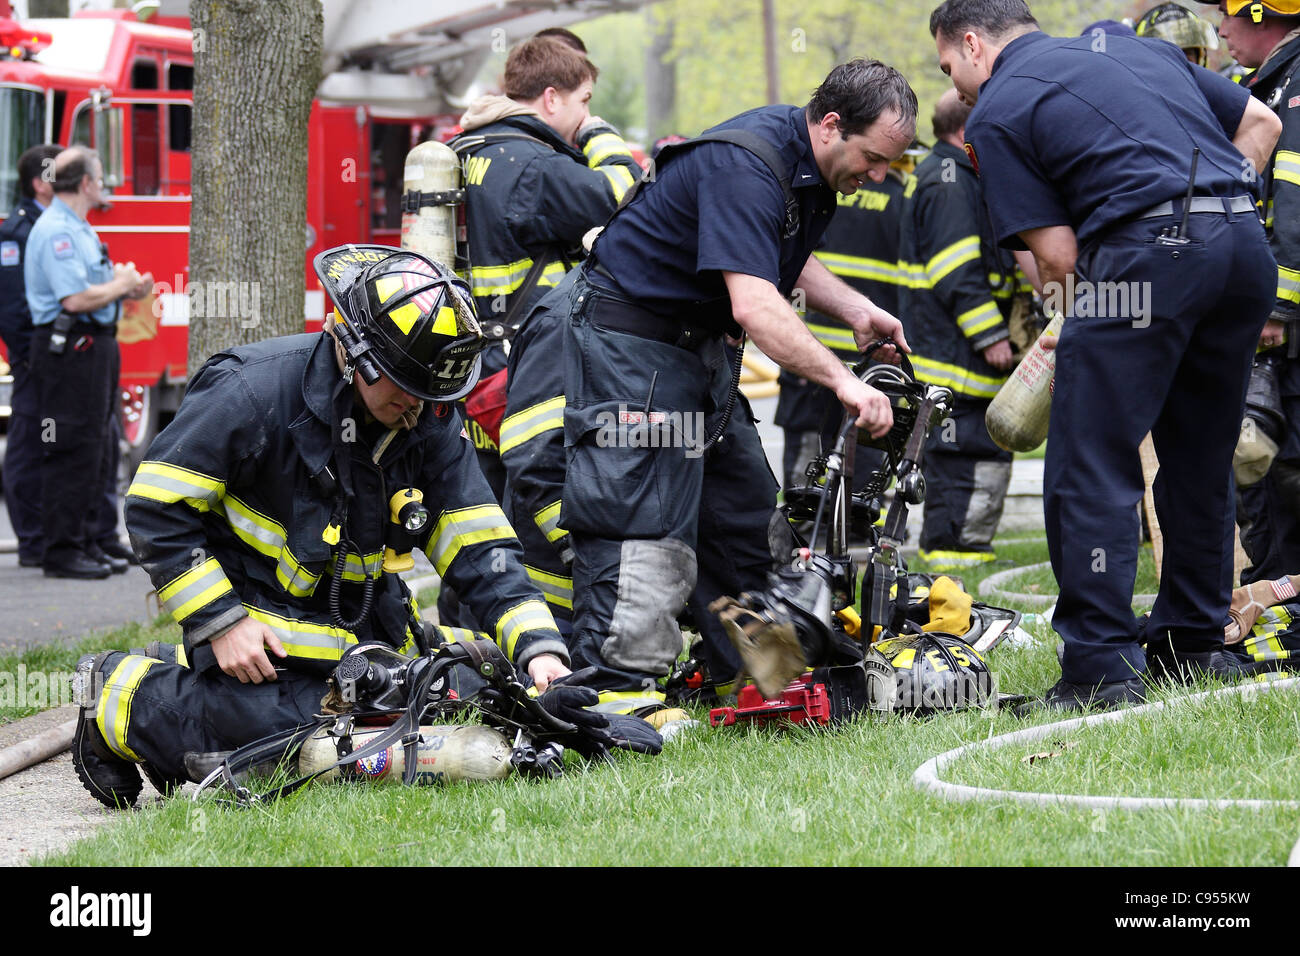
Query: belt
[616,315]
[1200,204]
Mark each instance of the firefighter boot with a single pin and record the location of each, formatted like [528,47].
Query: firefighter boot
[111,780]
[1166,664]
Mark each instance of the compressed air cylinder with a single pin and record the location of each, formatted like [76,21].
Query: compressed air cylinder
[446,754]
[1018,415]
[431,167]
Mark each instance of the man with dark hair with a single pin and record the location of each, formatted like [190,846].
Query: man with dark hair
[1085,147]
[540,172]
[74,291]
[957,308]
[22,462]
[667,492]
[564,36]
[1269,516]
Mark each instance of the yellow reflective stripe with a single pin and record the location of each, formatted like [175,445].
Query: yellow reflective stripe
[548,521]
[318,642]
[620,180]
[459,529]
[950,257]
[454,635]
[954,377]
[912,275]
[113,712]
[531,422]
[293,577]
[499,279]
[602,147]
[958,558]
[255,529]
[354,569]
[528,616]
[159,481]
[194,589]
[1288,284]
[859,267]
[625,701]
[505,279]
[979,319]
[833,336]
[556,588]
[1286,166]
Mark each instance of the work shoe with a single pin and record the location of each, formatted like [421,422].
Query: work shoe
[78,566]
[116,549]
[1064,695]
[1168,665]
[112,781]
[116,565]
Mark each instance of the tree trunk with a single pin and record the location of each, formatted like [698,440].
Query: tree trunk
[256,69]
[660,76]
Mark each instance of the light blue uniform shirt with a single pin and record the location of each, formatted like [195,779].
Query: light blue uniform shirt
[64,257]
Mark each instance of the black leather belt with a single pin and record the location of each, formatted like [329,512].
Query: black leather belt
[618,315]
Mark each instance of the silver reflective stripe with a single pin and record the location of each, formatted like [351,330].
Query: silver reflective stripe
[232,509]
[213,578]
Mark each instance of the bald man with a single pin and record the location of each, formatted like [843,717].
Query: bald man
[74,293]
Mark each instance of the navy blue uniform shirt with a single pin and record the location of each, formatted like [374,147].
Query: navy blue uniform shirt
[1070,132]
[714,208]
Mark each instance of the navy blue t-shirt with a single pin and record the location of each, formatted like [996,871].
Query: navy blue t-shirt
[1088,132]
[717,207]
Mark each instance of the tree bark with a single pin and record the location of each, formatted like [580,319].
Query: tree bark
[256,69]
[660,76]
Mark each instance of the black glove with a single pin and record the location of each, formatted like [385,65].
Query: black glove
[632,733]
[567,699]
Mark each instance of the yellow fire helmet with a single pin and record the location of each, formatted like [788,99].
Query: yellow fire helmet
[411,316]
[1257,10]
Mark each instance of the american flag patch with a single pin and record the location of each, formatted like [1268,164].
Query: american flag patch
[62,246]
[1283,588]
[1293,102]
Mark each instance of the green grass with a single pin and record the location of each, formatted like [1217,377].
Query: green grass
[791,796]
[44,668]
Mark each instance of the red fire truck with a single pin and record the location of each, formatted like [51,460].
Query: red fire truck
[124,87]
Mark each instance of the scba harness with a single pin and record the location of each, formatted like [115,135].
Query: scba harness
[377,710]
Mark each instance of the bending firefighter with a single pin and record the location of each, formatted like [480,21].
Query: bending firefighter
[264,511]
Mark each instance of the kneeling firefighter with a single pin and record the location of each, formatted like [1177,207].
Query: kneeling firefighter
[271,514]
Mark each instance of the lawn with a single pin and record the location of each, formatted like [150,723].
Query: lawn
[748,796]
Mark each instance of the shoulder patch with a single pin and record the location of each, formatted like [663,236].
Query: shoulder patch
[1293,102]
[62,246]
[10,254]
[970,151]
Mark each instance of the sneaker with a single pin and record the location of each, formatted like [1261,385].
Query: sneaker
[1065,695]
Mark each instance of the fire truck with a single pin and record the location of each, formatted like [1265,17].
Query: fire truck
[121,81]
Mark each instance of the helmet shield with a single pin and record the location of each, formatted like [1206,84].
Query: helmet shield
[416,317]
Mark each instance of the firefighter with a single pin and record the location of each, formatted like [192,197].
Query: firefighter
[861,247]
[708,248]
[1176,24]
[540,172]
[263,510]
[1265,37]
[956,309]
[1164,323]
